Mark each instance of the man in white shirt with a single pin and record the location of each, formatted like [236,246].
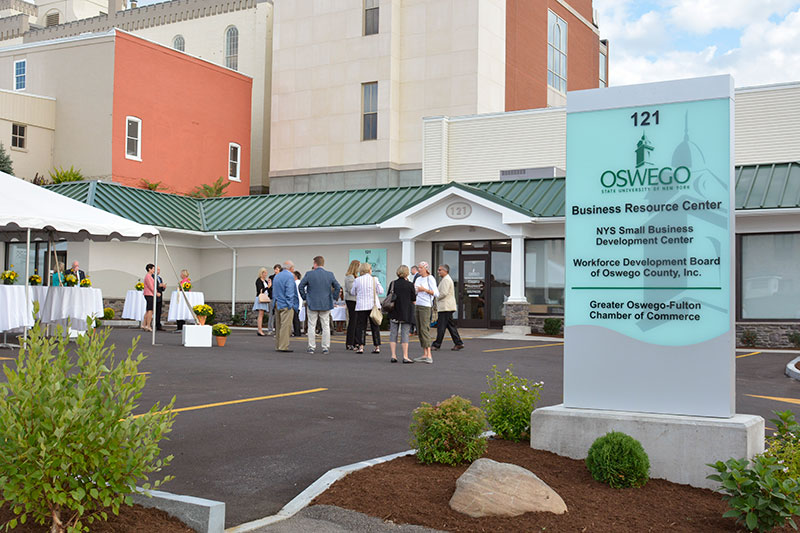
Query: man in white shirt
[426,289]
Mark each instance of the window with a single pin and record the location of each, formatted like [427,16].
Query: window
[52,19]
[603,73]
[20,71]
[232,48]
[770,278]
[18,136]
[370,111]
[178,43]
[556,52]
[234,154]
[371,17]
[544,275]
[133,138]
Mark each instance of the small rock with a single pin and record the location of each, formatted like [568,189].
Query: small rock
[489,488]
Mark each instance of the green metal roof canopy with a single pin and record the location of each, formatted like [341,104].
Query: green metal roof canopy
[772,186]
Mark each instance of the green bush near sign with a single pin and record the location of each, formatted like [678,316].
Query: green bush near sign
[618,460]
[449,432]
[509,403]
[794,338]
[749,338]
[552,326]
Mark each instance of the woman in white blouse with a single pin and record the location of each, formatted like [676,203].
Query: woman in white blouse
[364,289]
[427,291]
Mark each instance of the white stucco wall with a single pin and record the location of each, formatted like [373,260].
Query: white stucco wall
[38,115]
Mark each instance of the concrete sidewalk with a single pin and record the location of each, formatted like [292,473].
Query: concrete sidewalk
[330,519]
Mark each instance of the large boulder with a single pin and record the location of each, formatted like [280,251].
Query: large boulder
[489,488]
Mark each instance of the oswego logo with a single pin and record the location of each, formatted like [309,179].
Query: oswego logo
[645,174]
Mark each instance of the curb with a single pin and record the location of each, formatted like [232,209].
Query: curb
[204,516]
[791,369]
[315,489]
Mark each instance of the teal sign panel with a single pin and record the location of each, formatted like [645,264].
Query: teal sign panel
[375,257]
[648,223]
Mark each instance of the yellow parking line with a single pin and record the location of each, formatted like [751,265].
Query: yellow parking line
[785,400]
[747,355]
[524,347]
[6,358]
[244,400]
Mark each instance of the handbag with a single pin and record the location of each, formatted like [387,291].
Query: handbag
[263,298]
[376,315]
[434,313]
[388,303]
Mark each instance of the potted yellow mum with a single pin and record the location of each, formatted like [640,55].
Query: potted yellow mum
[221,332]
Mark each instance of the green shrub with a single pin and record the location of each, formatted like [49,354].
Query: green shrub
[794,338]
[755,495]
[237,320]
[449,432]
[552,326]
[71,447]
[153,185]
[509,403]
[108,314]
[784,445]
[6,165]
[59,175]
[749,338]
[619,460]
[211,190]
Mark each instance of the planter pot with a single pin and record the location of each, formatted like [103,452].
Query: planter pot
[8,282]
[221,341]
[201,320]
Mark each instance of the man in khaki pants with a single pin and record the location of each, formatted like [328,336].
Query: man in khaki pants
[446,305]
[284,294]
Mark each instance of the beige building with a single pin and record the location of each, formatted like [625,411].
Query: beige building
[532,144]
[27,131]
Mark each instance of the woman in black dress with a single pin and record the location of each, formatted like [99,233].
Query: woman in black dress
[400,317]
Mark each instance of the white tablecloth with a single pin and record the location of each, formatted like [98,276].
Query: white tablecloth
[339,314]
[39,294]
[177,306]
[71,304]
[13,311]
[135,305]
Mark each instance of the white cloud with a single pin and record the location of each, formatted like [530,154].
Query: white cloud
[654,46]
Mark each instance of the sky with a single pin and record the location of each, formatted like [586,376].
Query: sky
[756,41]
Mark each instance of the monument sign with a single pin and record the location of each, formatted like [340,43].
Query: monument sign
[649,248]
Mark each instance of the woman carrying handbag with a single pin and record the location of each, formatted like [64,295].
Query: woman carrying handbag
[366,288]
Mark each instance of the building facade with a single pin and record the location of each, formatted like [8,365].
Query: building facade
[133,111]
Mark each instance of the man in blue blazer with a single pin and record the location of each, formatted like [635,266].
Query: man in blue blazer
[319,289]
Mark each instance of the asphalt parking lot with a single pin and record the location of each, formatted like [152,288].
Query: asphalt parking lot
[256,427]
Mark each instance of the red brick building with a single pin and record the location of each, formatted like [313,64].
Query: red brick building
[542,36]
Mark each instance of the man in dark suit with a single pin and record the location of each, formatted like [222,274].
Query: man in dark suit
[160,287]
[319,289]
[77,272]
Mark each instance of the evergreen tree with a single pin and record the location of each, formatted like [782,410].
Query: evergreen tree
[6,165]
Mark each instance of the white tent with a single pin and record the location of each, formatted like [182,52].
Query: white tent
[28,211]
[47,214]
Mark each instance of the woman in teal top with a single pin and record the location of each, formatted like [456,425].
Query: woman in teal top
[57,278]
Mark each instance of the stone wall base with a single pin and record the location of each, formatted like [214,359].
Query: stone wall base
[679,447]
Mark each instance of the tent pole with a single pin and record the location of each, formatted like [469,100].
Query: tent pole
[27,280]
[155,292]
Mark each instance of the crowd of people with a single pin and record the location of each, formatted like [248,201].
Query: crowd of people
[285,296]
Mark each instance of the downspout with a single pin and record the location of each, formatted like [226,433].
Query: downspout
[233,274]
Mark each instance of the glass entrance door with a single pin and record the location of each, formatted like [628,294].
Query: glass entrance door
[473,294]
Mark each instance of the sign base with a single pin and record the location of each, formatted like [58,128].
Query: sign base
[679,447]
[196,336]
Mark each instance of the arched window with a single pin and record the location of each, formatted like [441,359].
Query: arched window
[53,18]
[178,43]
[232,48]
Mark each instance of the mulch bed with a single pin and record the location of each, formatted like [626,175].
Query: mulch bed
[135,519]
[404,491]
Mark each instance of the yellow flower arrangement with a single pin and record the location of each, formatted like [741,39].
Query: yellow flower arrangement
[9,276]
[86,282]
[35,280]
[220,330]
[70,280]
[202,310]
[139,286]
[187,285]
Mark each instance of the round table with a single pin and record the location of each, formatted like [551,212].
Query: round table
[178,309]
[339,313]
[14,308]
[134,307]
[71,304]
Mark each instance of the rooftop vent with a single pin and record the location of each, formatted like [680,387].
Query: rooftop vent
[532,173]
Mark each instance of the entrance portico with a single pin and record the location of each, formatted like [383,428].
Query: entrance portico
[489,265]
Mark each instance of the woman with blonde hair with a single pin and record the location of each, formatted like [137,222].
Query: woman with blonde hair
[262,283]
[365,287]
[350,302]
[184,279]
